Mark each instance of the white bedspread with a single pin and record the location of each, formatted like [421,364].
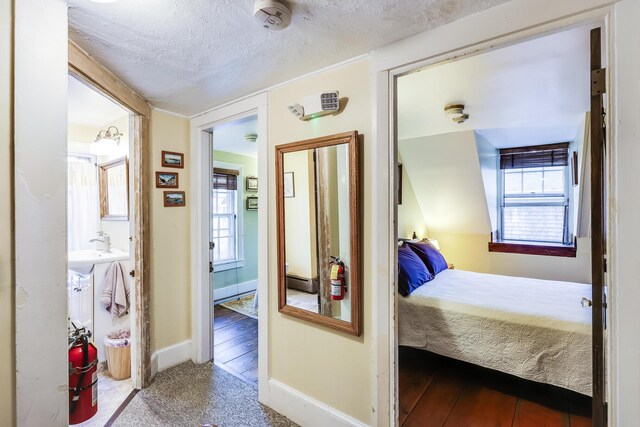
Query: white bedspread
[534,329]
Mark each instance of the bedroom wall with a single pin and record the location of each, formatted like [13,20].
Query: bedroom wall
[410,216]
[296,345]
[453,200]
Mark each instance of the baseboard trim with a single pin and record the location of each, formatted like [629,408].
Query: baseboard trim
[170,356]
[233,290]
[305,410]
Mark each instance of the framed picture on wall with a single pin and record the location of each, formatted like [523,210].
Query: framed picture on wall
[399,183]
[167,179]
[252,183]
[289,185]
[172,159]
[252,203]
[574,168]
[174,199]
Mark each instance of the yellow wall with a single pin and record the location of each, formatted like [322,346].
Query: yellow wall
[170,242]
[329,366]
[7,366]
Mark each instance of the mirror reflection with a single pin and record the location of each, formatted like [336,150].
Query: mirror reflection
[317,223]
[114,190]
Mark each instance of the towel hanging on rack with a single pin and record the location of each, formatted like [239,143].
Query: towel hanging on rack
[115,295]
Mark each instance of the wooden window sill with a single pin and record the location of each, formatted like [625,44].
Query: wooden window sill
[533,249]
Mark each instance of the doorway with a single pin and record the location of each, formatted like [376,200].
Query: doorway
[203,137]
[131,226]
[234,246]
[431,218]
[100,297]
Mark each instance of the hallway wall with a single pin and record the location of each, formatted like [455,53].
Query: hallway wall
[170,237]
[7,362]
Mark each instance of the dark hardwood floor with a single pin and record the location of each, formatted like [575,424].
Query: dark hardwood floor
[235,346]
[438,391]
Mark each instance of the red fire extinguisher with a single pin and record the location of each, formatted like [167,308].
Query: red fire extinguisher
[338,282]
[83,376]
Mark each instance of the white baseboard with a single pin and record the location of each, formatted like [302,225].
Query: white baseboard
[305,410]
[232,290]
[167,357]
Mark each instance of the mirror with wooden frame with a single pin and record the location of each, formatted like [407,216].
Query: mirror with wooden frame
[318,215]
[113,178]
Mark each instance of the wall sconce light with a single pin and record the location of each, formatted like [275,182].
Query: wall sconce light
[106,142]
[456,113]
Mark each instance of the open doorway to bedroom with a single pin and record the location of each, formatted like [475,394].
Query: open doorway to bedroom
[234,246]
[495,221]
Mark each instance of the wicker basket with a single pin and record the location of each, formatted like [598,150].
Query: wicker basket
[118,360]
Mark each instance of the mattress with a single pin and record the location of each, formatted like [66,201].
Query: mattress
[534,329]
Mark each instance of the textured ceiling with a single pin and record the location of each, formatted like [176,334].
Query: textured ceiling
[187,56]
[529,93]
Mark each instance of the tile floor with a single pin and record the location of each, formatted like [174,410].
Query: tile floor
[111,394]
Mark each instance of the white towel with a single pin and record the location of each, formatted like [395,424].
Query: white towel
[115,296]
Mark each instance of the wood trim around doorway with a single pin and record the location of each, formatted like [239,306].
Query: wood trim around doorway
[87,69]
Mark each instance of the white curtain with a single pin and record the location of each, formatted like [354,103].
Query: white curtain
[82,203]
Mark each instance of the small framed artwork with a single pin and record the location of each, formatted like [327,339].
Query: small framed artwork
[166,179]
[574,168]
[252,183]
[172,159]
[174,199]
[289,185]
[252,203]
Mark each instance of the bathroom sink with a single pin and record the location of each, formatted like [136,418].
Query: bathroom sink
[82,261]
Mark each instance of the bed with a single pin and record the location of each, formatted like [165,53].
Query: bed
[534,329]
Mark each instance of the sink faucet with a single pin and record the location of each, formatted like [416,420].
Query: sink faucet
[106,241]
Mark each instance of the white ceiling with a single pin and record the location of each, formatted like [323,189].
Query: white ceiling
[187,56]
[89,108]
[229,137]
[530,93]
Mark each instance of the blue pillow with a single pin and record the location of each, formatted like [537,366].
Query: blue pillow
[412,273]
[431,257]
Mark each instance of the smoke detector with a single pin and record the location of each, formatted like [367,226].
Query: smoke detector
[271,14]
[456,112]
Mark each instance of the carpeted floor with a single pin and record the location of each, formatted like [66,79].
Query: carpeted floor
[192,395]
[242,305]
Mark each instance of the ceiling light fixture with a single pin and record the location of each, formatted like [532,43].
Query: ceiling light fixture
[106,141]
[104,1]
[456,112]
[251,137]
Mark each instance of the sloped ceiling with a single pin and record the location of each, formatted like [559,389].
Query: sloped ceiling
[444,171]
[530,93]
[187,56]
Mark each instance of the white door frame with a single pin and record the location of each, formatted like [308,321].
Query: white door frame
[477,33]
[201,293]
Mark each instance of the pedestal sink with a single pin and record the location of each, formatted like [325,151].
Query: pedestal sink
[82,261]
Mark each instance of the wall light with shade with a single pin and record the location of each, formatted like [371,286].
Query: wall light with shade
[107,141]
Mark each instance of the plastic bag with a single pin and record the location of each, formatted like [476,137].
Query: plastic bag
[118,338]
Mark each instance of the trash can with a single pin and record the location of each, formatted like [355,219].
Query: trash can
[117,347]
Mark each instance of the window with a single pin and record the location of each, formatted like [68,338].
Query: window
[227,250]
[534,195]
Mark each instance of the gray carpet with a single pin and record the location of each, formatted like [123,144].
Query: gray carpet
[192,395]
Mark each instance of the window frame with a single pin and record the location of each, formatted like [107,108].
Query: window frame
[238,262]
[566,248]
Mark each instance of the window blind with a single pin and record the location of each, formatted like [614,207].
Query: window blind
[225,179]
[535,157]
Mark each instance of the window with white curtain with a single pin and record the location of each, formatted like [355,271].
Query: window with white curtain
[82,201]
